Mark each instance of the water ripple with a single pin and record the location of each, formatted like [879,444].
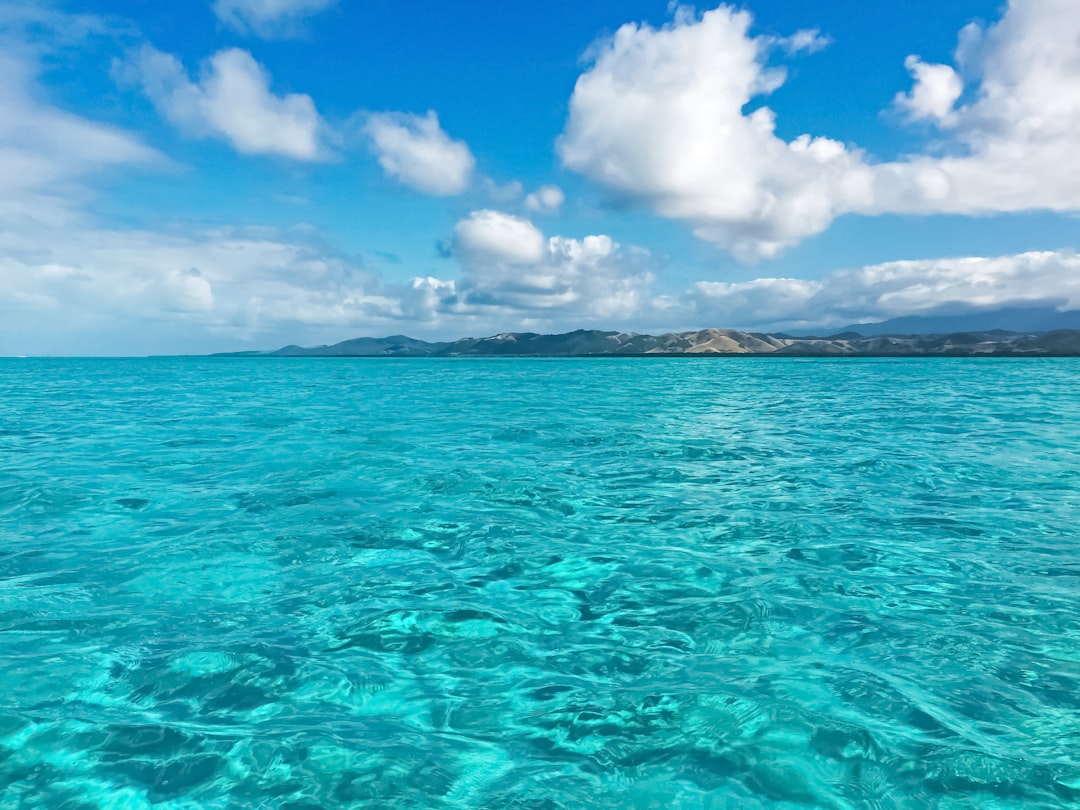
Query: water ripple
[686,583]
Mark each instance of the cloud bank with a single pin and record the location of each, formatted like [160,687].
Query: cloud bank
[136,291]
[894,289]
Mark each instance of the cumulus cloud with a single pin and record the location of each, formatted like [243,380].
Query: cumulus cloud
[545,200]
[491,236]
[69,283]
[508,264]
[268,18]
[231,100]
[1014,144]
[659,118]
[594,281]
[88,288]
[936,90]
[416,151]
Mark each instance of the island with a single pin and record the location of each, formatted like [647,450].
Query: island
[702,342]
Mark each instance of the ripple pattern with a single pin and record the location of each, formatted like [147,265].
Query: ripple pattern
[529,583]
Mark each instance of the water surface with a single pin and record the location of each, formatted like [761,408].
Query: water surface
[529,583]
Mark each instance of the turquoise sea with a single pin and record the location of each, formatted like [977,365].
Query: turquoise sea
[540,583]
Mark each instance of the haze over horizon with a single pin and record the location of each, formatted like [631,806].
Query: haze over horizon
[246,174]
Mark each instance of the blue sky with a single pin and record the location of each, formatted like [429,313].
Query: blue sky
[246,173]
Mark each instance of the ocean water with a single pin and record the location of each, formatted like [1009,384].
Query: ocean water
[540,583]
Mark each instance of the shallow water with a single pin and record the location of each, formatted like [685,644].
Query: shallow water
[624,583]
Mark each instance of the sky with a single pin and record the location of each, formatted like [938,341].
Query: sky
[222,175]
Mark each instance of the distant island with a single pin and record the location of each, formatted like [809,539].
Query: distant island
[703,342]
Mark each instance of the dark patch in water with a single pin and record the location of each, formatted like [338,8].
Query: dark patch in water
[181,775]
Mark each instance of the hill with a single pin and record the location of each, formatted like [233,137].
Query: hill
[713,342]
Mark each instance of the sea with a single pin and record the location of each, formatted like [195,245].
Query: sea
[540,583]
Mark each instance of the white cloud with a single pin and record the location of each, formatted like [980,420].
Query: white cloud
[658,118]
[231,100]
[936,90]
[92,288]
[503,193]
[491,236]
[545,200]
[806,41]
[595,282]
[894,289]
[47,153]
[188,291]
[416,151]
[99,290]
[268,18]
[69,284]
[1014,145]
[509,265]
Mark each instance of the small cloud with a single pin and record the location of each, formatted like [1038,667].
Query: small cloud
[498,237]
[808,40]
[232,100]
[505,193]
[934,94]
[545,200]
[269,19]
[417,152]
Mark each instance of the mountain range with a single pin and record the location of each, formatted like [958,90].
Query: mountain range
[1010,319]
[588,343]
